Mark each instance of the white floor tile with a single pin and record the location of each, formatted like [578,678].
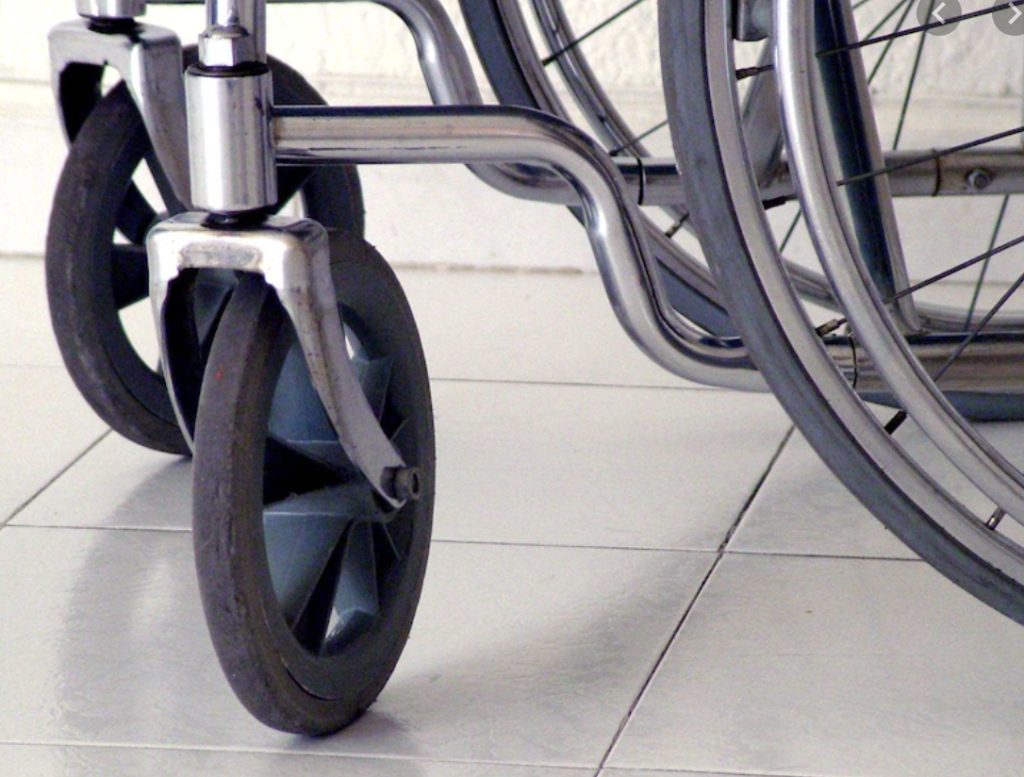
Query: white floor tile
[804,666]
[519,655]
[547,327]
[538,464]
[803,509]
[55,761]
[118,484]
[24,317]
[657,773]
[571,465]
[45,425]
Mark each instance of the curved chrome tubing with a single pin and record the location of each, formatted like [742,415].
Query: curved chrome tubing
[491,135]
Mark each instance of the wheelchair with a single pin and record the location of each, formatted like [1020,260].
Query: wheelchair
[290,364]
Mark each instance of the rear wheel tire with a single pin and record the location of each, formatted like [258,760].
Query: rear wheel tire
[738,242]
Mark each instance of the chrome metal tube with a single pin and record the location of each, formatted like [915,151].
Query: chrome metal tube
[111,9]
[249,16]
[504,135]
[231,154]
[149,60]
[230,94]
[968,173]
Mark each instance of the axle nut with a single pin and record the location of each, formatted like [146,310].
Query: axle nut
[979,179]
[407,483]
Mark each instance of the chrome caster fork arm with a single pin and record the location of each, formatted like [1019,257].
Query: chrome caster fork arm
[150,62]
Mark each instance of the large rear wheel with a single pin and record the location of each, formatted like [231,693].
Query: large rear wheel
[953,530]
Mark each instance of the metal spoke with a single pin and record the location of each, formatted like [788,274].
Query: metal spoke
[888,46]
[929,157]
[639,138]
[914,30]
[905,4]
[984,266]
[750,72]
[978,330]
[570,46]
[789,232]
[910,84]
[680,222]
[836,323]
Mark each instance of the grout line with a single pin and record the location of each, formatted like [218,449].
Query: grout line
[719,555]
[510,544]
[576,384]
[830,556]
[5,522]
[757,489]
[243,750]
[513,544]
[137,529]
[625,771]
[10,256]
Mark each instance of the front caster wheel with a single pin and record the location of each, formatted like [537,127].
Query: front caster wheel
[309,583]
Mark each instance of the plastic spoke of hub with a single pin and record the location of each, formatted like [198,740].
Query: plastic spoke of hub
[375,378]
[130,271]
[135,216]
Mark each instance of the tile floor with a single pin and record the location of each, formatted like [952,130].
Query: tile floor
[631,576]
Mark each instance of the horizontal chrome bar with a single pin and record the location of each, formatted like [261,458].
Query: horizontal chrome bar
[997,172]
[495,135]
[991,365]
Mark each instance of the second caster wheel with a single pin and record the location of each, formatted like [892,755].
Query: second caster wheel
[96,262]
[308,582]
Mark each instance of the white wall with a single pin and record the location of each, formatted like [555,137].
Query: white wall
[361,44]
[355,52]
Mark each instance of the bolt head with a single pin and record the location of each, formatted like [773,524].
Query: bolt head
[979,179]
[408,483]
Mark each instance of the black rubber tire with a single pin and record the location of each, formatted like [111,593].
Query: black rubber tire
[284,683]
[94,196]
[816,411]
